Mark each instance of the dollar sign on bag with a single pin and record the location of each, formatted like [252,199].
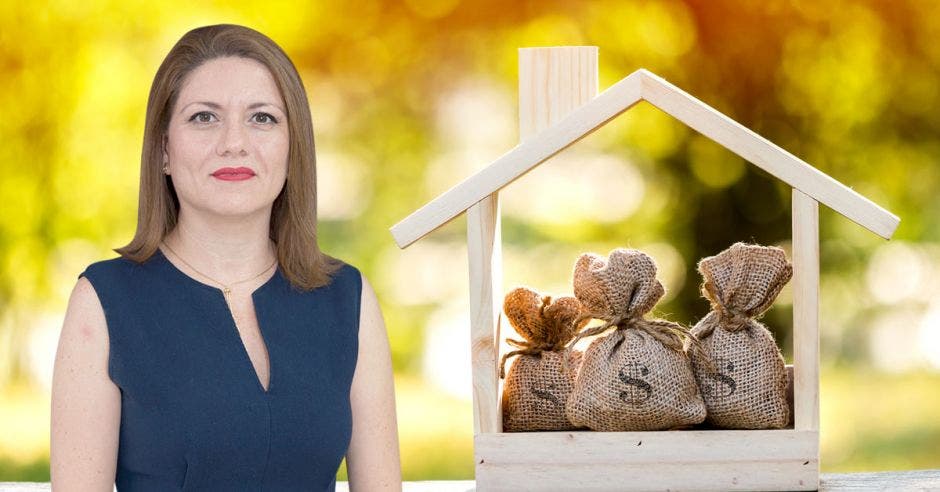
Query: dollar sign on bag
[547,395]
[639,390]
[720,383]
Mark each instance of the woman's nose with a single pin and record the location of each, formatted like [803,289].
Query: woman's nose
[232,139]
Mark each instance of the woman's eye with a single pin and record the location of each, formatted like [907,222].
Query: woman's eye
[202,117]
[263,118]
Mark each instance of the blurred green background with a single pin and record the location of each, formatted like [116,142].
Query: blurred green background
[408,97]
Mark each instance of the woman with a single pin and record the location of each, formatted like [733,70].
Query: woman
[223,350]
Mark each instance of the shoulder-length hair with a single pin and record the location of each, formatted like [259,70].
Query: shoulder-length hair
[294,213]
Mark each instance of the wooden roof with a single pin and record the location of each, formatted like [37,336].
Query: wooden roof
[639,86]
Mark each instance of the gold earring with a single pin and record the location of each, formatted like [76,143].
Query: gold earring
[166,170]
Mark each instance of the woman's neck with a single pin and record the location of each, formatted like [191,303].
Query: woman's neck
[227,251]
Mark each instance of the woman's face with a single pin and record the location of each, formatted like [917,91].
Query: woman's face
[227,141]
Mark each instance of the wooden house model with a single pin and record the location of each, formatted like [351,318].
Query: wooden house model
[559,105]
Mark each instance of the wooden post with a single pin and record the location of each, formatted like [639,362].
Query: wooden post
[805,244]
[486,283]
[805,312]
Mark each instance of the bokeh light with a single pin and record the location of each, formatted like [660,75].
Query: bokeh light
[408,98]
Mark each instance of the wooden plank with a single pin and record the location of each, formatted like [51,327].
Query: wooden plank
[553,82]
[674,101]
[687,460]
[518,161]
[889,480]
[646,447]
[766,155]
[566,477]
[805,246]
[485,259]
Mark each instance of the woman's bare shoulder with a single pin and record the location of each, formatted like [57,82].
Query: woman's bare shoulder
[84,317]
[371,323]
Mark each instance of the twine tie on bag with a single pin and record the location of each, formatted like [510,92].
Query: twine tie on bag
[526,348]
[668,333]
[732,320]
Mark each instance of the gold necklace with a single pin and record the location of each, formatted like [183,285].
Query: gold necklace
[226,289]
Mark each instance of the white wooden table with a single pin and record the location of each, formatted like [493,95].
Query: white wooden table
[899,480]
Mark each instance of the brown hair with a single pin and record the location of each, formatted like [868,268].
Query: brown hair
[294,213]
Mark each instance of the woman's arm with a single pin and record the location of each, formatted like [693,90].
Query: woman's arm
[372,460]
[86,404]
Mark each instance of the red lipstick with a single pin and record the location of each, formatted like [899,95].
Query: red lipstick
[233,173]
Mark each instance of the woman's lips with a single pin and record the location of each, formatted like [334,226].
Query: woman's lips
[233,173]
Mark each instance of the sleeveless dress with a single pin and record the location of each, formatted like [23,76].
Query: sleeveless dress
[194,415]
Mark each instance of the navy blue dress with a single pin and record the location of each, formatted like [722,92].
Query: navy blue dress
[194,415]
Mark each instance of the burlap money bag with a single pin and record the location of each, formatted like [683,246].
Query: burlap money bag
[638,377]
[542,376]
[746,386]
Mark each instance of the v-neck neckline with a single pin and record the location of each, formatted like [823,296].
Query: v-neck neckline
[241,343]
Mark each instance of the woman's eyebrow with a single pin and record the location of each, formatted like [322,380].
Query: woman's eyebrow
[261,104]
[205,103]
